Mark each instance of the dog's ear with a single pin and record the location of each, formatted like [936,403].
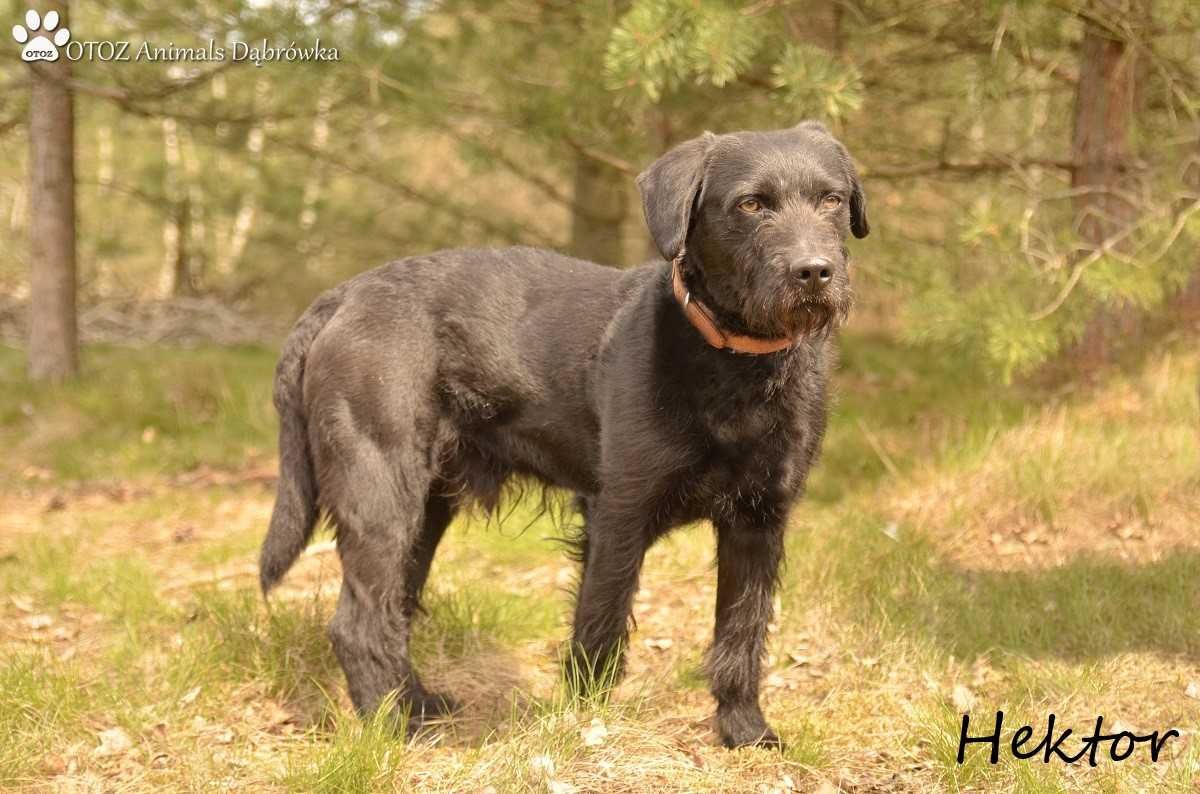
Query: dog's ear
[859,225]
[812,125]
[670,188]
[858,204]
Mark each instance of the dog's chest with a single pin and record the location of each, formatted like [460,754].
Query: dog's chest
[753,447]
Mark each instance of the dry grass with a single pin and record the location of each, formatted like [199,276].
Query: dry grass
[962,550]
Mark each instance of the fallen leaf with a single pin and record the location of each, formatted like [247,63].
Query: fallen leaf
[1193,690]
[594,733]
[962,697]
[1129,532]
[277,715]
[659,644]
[37,622]
[113,741]
[542,765]
[35,472]
[54,764]
[190,696]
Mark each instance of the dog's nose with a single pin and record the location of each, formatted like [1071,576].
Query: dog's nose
[813,272]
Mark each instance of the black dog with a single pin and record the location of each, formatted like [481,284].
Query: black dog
[684,390]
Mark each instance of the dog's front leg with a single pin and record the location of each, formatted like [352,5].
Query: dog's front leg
[615,545]
[748,561]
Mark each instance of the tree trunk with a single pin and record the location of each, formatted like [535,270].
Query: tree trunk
[1104,113]
[53,337]
[598,212]
[1187,302]
[819,24]
[176,277]
[184,278]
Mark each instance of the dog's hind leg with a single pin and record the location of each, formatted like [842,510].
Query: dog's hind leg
[380,511]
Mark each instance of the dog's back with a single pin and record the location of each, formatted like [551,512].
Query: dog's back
[445,335]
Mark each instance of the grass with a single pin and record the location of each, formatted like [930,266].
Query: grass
[963,547]
[139,412]
[359,756]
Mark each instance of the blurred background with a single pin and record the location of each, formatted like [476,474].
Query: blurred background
[1033,168]
[1004,516]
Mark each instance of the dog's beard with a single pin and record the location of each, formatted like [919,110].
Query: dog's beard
[803,316]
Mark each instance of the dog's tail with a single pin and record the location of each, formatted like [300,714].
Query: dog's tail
[295,512]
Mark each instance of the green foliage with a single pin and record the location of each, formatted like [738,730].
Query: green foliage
[661,44]
[816,84]
[1116,281]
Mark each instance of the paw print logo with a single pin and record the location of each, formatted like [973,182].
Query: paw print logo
[40,47]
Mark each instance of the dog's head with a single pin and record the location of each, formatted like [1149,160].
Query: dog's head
[762,218]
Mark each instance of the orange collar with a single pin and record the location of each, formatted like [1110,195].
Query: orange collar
[701,317]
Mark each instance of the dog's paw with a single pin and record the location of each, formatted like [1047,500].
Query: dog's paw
[767,739]
[432,706]
[746,728]
[423,712]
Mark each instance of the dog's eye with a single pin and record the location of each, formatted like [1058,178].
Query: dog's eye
[751,205]
[831,202]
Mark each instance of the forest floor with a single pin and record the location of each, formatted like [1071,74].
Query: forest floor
[965,547]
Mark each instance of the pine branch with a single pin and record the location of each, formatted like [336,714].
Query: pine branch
[612,161]
[965,167]
[510,233]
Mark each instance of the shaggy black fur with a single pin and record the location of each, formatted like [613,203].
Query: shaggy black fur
[436,378]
